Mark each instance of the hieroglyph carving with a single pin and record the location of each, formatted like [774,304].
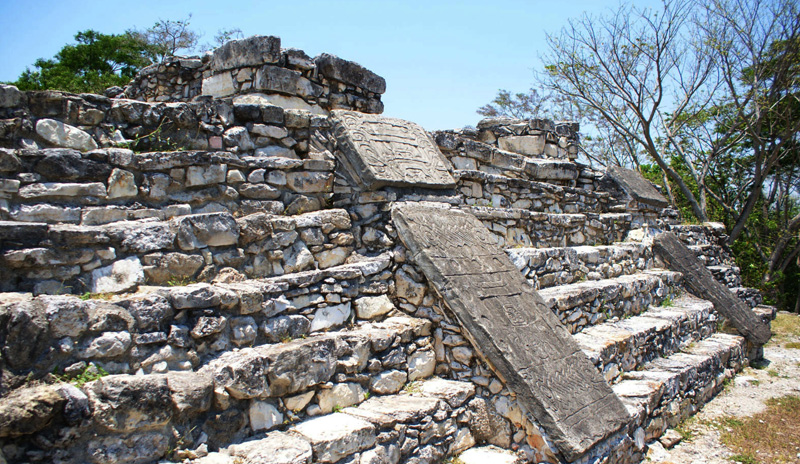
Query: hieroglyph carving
[512,327]
[379,151]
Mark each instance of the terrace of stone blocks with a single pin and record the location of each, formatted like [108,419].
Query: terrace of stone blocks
[219,264]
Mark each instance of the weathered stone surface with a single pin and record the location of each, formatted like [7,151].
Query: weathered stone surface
[121,184]
[264,415]
[531,145]
[636,186]
[333,67]
[275,79]
[58,189]
[341,395]
[69,165]
[64,135]
[386,411]
[10,96]
[330,316]
[243,374]
[24,332]
[371,307]
[219,85]
[124,403]
[191,392]
[703,284]
[252,51]
[317,355]
[336,436]
[123,275]
[514,329]
[489,454]
[134,449]
[388,382]
[202,230]
[275,448]
[29,410]
[379,151]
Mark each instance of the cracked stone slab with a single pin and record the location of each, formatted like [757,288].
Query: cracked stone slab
[702,283]
[336,436]
[512,326]
[636,186]
[380,151]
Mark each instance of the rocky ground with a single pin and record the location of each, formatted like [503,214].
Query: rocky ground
[778,376]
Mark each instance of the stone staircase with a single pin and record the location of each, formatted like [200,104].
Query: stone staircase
[215,275]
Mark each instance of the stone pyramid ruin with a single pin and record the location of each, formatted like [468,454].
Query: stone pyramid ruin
[237,259]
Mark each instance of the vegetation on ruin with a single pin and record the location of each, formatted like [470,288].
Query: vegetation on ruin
[704,100]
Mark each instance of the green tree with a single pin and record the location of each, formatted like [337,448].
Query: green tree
[97,61]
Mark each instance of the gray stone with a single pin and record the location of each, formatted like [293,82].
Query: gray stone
[150,311]
[108,345]
[238,137]
[135,449]
[421,364]
[191,392]
[342,395]
[377,151]
[264,415]
[330,317]
[219,85]
[203,230]
[206,175]
[282,80]
[284,328]
[243,374]
[29,410]
[703,284]
[9,162]
[336,436]
[67,316]
[333,67]
[194,296]
[25,334]
[317,355]
[275,448]
[388,382]
[56,189]
[243,331]
[125,403]
[487,425]
[252,51]
[121,276]
[489,454]
[10,96]
[531,145]
[121,184]
[636,186]
[371,307]
[514,328]
[69,165]
[64,135]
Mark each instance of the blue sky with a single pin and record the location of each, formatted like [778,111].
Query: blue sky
[441,59]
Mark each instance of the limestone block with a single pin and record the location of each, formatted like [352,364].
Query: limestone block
[316,355]
[26,333]
[64,164]
[108,345]
[243,374]
[492,454]
[371,307]
[284,328]
[251,51]
[297,258]
[455,393]
[282,101]
[151,312]
[203,230]
[194,296]
[298,402]
[264,416]
[238,136]
[206,175]
[275,448]
[55,189]
[276,151]
[243,330]
[332,257]
[191,392]
[282,80]
[421,364]
[310,182]
[47,213]
[118,277]
[349,72]
[330,317]
[64,135]
[388,382]
[259,191]
[341,395]
[121,184]
[265,130]
[530,145]
[126,403]
[139,447]
[9,162]
[10,96]
[407,288]
[336,436]
[219,85]
[28,410]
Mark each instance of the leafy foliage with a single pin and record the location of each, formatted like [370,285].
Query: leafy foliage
[97,61]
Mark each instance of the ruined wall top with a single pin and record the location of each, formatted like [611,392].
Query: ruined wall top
[259,66]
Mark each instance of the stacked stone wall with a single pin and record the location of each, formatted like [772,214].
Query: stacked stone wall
[258,65]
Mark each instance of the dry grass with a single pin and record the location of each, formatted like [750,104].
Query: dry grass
[772,436]
[786,327]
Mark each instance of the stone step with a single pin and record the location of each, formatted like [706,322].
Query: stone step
[247,391]
[480,188]
[623,346]
[583,304]
[668,390]
[161,329]
[550,266]
[518,227]
[417,425]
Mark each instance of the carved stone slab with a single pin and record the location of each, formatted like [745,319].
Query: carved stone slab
[636,186]
[702,283]
[380,151]
[509,323]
